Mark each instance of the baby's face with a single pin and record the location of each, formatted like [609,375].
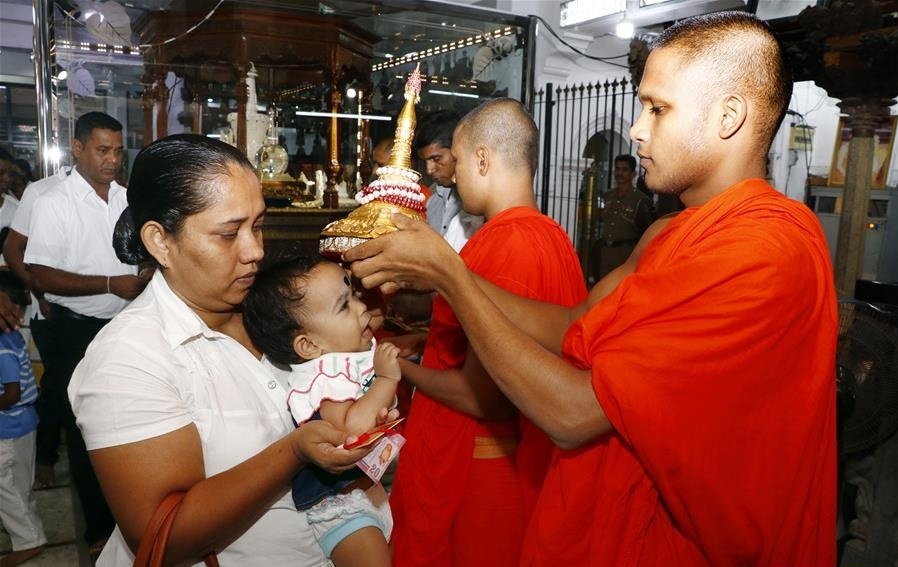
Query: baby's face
[333,315]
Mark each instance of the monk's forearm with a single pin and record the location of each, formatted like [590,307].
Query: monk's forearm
[555,395]
[546,323]
[480,399]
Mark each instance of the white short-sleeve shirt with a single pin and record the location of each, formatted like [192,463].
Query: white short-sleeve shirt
[446,215]
[71,229]
[157,367]
[7,212]
[22,218]
[334,377]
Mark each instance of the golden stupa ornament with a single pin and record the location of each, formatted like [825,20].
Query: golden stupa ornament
[396,189]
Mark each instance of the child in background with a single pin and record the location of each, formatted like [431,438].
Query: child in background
[18,425]
[302,313]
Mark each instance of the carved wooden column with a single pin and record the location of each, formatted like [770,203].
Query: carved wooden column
[162,93]
[330,197]
[364,171]
[242,95]
[194,107]
[196,113]
[863,116]
[850,49]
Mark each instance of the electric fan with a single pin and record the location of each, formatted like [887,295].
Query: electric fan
[867,402]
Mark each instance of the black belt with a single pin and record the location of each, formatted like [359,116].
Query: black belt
[57,310]
[616,243]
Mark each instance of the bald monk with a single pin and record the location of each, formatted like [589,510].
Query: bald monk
[381,152]
[471,469]
[694,406]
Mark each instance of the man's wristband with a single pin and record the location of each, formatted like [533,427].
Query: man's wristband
[107,285]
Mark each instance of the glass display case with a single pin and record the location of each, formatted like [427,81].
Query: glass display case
[331,72]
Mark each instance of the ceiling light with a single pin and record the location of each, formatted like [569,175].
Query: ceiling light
[447,93]
[341,115]
[575,12]
[624,30]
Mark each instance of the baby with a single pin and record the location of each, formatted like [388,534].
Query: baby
[302,313]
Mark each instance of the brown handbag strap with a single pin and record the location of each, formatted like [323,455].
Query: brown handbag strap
[151,551]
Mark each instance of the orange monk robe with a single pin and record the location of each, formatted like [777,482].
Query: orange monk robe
[715,364]
[527,253]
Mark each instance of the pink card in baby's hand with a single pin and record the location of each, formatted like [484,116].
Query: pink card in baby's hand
[376,462]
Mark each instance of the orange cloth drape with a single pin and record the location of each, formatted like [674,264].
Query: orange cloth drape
[714,363]
[527,253]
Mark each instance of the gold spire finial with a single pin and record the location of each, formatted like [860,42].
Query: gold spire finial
[396,188]
[401,155]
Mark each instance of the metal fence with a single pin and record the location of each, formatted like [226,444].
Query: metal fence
[583,128]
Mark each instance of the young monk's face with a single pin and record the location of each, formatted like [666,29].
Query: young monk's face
[673,130]
[468,179]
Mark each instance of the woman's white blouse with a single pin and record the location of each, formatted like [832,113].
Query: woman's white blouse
[157,367]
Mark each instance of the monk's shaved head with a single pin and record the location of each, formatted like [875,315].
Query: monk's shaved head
[740,54]
[505,126]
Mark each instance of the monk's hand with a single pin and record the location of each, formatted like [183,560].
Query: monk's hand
[413,257]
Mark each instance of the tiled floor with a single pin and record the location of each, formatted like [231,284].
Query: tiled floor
[61,523]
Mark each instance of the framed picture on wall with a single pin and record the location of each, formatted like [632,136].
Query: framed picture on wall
[883,140]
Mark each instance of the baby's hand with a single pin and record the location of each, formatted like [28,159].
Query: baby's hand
[386,362]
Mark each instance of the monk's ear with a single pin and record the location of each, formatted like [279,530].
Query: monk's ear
[305,347]
[734,110]
[483,156]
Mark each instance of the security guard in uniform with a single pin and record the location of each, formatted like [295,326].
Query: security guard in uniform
[626,213]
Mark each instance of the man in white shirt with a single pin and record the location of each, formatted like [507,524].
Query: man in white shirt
[8,171]
[12,178]
[433,143]
[50,425]
[10,317]
[72,262]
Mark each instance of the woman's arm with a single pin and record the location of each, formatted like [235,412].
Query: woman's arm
[136,477]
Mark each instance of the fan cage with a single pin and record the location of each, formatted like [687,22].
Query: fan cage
[867,374]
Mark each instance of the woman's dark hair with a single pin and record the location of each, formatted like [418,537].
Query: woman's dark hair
[169,182]
[273,305]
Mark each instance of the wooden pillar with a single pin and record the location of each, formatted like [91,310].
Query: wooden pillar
[365,135]
[161,103]
[330,197]
[195,106]
[242,95]
[863,116]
